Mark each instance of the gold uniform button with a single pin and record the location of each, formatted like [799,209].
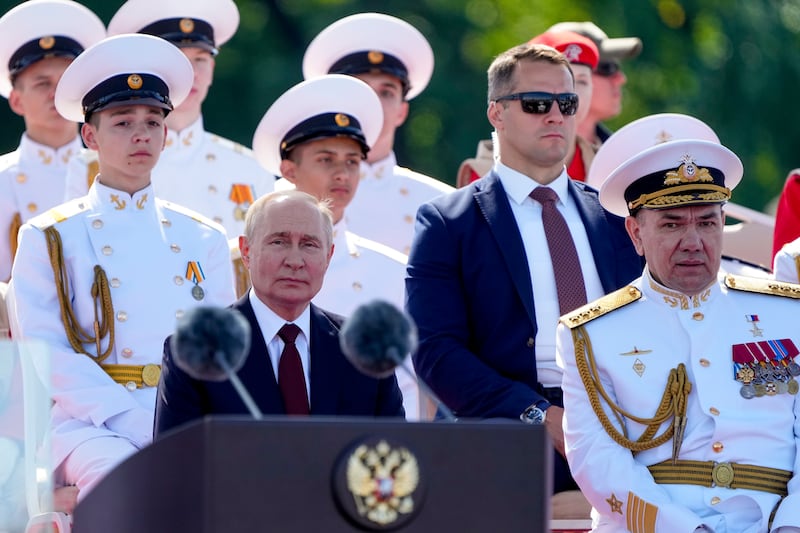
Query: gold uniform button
[115,283]
[404,191]
[212,189]
[151,374]
[698,316]
[705,362]
[218,220]
[107,250]
[530,342]
[179,313]
[178,280]
[409,219]
[131,386]
[357,286]
[715,500]
[175,248]
[127,353]
[122,316]
[97,224]
[166,223]
[22,178]
[717,447]
[32,207]
[714,411]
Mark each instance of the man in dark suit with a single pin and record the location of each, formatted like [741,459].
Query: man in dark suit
[286,247]
[482,280]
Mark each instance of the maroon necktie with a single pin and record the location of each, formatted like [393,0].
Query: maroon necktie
[291,379]
[566,266]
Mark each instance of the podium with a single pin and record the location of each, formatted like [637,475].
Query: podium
[233,474]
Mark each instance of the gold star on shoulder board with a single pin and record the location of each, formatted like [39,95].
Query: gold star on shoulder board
[616,505]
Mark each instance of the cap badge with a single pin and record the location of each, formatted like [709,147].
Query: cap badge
[186,25]
[135,81]
[663,136]
[341,120]
[46,43]
[375,57]
[688,172]
[573,53]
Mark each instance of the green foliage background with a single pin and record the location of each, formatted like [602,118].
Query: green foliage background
[731,63]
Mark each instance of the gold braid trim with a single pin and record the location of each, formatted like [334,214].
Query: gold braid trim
[13,230]
[797,265]
[672,405]
[101,296]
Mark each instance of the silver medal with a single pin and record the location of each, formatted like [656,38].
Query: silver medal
[198,293]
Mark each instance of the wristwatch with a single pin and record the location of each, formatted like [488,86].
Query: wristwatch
[536,413]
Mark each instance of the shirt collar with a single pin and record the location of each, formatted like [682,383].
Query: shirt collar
[30,150]
[270,323]
[188,137]
[672,298]
[518,186]
[379,169]
[105,199]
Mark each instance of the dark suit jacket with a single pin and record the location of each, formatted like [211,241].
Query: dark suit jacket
[337,387]
[469,292]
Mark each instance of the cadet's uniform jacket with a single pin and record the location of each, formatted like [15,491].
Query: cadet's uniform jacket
[385,205]
[786,266]
[32,181]
[199,170]
[637,335]
[155,256]
[361,271]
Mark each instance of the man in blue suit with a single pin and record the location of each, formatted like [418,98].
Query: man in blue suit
[287,247]
[482,285]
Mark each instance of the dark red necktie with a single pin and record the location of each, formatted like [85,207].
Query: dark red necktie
[291,379]
[566,265]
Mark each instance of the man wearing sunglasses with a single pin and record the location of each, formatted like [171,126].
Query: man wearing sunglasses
[607,80]
[487,281]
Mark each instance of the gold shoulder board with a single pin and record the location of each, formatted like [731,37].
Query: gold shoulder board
[60,213]
[762,286]
[601,306]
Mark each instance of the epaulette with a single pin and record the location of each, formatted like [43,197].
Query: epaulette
[762,286]
[232,146]
[601,306]
[382,249]
[194,215]
[60,213]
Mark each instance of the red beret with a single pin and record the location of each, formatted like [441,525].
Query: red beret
[576,47]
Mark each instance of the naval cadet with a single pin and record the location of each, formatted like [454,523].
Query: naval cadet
[680,390]
[395,59]
[103,278]
[315,135]
[198,169]
[38,39]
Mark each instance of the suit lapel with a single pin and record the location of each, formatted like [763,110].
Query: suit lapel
[596,224]
[325,360]
[493,203]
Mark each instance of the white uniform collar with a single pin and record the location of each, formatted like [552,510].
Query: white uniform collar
[105,199]
[379,169]
[188,138]
[343,240]
[659,293]
[518,186]
[30,150]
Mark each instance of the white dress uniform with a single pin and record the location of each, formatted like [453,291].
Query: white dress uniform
[361,271]
[786,265]
[704,333]
[209,174]
[145,247]
[32,180]
[385,206]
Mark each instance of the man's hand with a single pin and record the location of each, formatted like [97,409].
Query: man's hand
[552,423]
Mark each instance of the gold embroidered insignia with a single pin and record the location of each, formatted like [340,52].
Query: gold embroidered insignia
[119,205]
[638,367]
[688,172]
[601,306]
[636,351]
[48,42]
[135,81]
[186,25]
[375,57]
[341,120]
[616,505]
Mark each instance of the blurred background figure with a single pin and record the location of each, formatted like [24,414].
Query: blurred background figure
[787,215]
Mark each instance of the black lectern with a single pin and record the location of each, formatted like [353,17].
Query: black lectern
[231,474]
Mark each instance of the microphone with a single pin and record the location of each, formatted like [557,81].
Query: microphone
[211,344]
[377,338]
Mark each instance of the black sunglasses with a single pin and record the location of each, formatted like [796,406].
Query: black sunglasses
[540,103]
[607,68]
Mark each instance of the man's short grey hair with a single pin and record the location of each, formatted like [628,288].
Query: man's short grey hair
[256,210]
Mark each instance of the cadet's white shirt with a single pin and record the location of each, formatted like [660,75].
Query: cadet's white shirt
[361,271]
[144,245]
[385,205]
[198,170]
[635,347]
[785,266]
[32,181]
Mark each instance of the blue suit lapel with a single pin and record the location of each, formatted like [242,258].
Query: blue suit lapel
[597,230]
[325,359]
[493,202]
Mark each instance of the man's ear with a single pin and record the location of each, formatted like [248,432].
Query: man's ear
[244,251]
[289,171]
[633,228]
[15,103]
[89,134]
[402,114]
[495,115]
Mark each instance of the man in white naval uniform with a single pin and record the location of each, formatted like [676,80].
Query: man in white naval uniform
[38,39]
[103,278]
[198,169]
[680,390]
[315,135]
[395,59]
[786,265]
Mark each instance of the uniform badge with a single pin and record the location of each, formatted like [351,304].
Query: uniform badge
[135,81]
[243,196]
[756,331]
[48,42]
[378,484]
[194,273]
[766,368]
